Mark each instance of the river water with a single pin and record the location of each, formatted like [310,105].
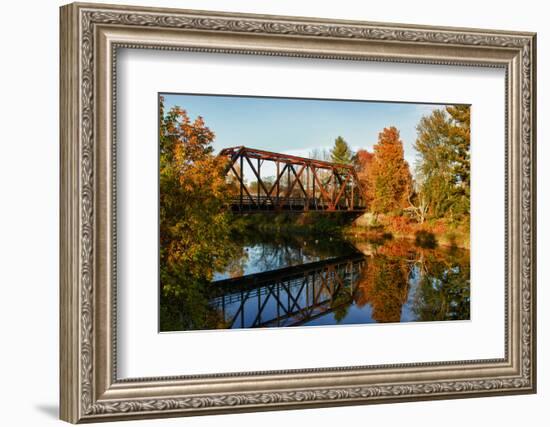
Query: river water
[314,280]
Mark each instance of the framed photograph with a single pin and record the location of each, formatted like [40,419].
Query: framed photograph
[267,212]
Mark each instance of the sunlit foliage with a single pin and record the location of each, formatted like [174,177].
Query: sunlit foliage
[195,230]
[341,152]
[363,160]
[441,278]
[390,174]
[199,236]
[443,169]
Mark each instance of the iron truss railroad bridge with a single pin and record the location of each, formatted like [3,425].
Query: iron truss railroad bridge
[300,184]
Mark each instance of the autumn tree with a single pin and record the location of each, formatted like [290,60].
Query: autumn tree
[341,152]
[363,160]
[195,236]
[384,286]
[390,174]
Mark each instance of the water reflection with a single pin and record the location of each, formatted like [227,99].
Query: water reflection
[290,296]
[266,253]
[303,281]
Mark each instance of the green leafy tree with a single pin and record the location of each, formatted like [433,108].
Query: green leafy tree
[391,180]
[459,135]
[341,152]
[443,291]
[443,169]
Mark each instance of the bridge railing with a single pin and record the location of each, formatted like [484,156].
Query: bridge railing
[300,204]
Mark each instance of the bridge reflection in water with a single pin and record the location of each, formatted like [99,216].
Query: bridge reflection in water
[291,296]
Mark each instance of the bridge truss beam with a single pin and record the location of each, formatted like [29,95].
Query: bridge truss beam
[300,184]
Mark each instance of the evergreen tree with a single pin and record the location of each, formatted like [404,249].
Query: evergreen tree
[341,152]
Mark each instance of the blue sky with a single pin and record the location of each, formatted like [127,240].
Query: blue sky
[297,126]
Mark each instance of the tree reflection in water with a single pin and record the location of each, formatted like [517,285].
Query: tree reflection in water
[443,286]
[347,283]
[439,280]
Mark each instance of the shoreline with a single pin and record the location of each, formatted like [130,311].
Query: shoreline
[421,237]
[383,234]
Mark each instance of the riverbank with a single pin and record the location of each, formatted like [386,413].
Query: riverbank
[429,234]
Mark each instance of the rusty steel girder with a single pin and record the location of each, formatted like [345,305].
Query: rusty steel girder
[300,184]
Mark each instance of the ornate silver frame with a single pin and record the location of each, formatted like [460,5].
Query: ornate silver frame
[90,36]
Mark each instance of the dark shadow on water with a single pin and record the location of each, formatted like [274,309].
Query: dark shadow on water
[425,240]
[50,410]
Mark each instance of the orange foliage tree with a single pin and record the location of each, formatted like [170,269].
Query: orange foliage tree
[441,278]
[363,162]
[384,285]
[391,177]
[195,229]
